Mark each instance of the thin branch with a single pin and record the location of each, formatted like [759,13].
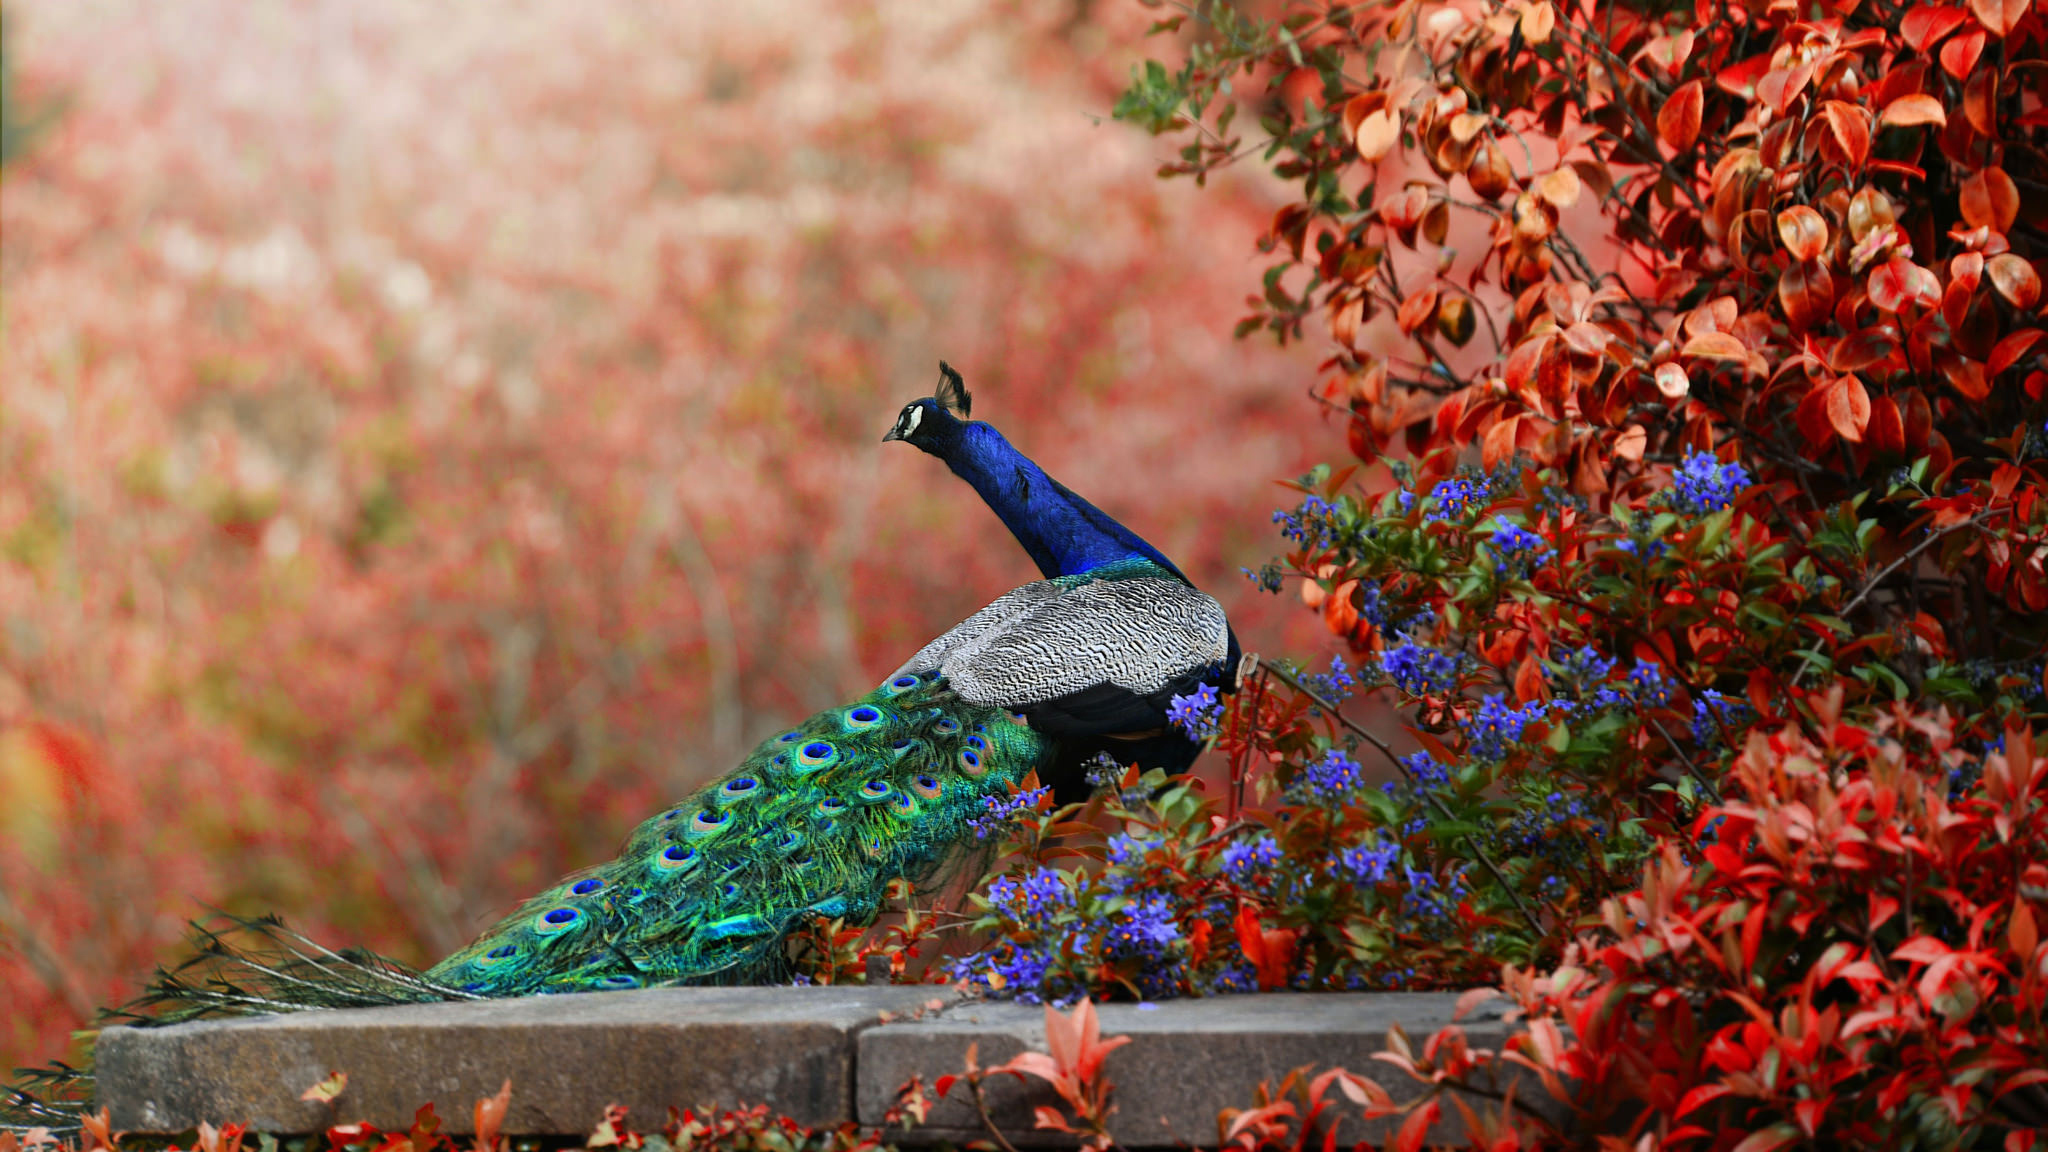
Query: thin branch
[1435,801]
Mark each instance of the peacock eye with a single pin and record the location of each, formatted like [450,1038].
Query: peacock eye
[586,887]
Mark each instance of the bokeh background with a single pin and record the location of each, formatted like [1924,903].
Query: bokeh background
[433,434]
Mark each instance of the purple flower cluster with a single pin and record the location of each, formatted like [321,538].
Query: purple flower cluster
[1000,810]
[1368,863]
[1333,777]
[1517,550]
[1703,484]
[1128,849]
[1652,688]
[1335,687]
[1420,670]
[1197,713]
[1311,525]
[1245,857]
[1041,895]
[1538,829]
[1426,899]
[1714,711]
[1456,497]
[1426,771]
[1644,550]
[1495,726]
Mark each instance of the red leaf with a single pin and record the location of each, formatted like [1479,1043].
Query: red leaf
[1898,282]
[1678,121]
[1672,382]
[1416,1128]
[1704,1094]
[1886,431]
[1807,290]
[2010,349]
[1925,24]
[1914,109]
[1959,55]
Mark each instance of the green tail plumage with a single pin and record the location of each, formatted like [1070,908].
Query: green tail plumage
[815,823]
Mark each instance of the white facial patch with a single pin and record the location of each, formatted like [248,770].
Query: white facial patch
[908,423]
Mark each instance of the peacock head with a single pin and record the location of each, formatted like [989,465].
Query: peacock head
[933,422]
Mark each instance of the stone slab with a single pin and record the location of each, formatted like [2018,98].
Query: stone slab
[1187,1060]
[567,1057]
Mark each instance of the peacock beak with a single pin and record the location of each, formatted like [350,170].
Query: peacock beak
[895,433]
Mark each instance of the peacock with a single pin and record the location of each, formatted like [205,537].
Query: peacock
[819,820]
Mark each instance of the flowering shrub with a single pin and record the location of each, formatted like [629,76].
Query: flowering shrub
[1690,357]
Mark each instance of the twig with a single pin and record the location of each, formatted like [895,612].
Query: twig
[988,1122]
[1870,585]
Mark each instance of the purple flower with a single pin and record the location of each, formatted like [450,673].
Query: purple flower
[1197,713]
[1369,863]
[1420,670]
[1244,857]
[1333,777]
[1495,726]
[1703,484]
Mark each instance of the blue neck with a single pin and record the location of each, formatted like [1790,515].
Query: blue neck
[1064,534]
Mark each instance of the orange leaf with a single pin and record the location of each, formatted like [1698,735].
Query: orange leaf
[2022,934]
[1848,408]
[1998,16]
[1678,121]
[328,1090]
[1990,200]
[1671,381]
[1850,126]
[2014,279]
[1804,231]
[1560,188]
[1377,134]
[1538,20]
[1918,108]
[1716,346]
[490,1118]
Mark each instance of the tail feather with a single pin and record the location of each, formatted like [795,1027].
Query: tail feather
[814,823]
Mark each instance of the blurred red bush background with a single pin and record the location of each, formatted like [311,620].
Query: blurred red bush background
[431,435]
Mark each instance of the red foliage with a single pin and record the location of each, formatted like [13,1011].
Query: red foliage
[1738,305]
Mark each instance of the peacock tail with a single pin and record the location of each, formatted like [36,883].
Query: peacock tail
[815,823]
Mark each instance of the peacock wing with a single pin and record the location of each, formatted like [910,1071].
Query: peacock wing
[1094,643]
[1001,613]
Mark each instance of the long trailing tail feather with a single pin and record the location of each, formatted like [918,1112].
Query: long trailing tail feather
[814,825]
[245,966]
[240,966]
